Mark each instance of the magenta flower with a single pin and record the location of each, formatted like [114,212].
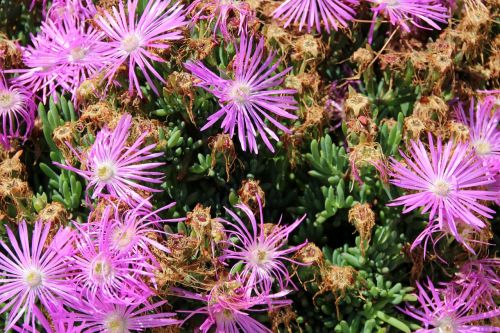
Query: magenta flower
[443,311]
[445,183]
[480,274]
[112,166]
[99,268]
[423,14]
[483,130]
[129,233]
[63,55]
[251,95]
[311,13]
[103,314]
[228,304]
[17,112]
[222,12]
[32,271]
[80,9]
[130,37]
[262,252]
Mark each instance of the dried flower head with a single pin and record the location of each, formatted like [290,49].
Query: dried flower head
[363,219]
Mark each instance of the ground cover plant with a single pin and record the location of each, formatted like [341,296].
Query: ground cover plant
[249,166]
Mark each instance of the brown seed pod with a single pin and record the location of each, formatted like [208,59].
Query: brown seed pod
[337,280]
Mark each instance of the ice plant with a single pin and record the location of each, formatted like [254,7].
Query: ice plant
[131,38]
[423,14]
[228,304]
[70,50]
[445,182]
[222,12]
[17,112]
[445,311]
[79,9]
[100,268]
[250,96]
[483,130]
[481,274]
[311,13]
[112,167]
[132,231]
[261,251]
[103,314]
[34,271]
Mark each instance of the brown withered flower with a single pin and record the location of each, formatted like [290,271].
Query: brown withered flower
[362,217]
[248,193]
[223,144]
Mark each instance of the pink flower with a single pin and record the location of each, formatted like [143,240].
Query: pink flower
[448,311]
[17,112]
[483,130]
[63,55]
[250,96]
[262,252]
[113,167]
[311,13]
[34,271]
[445,182]
[131,37]
[228,304]
[414,12]
[100,268]
[104,314]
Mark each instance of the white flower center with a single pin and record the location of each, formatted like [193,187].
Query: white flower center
[483,147]
[77,53]
[446,325]
[441,188]
[8,99]
[33,278]
[123,237]
[102,269]
[259,257]
[105,171]
[116,323]
[131,43]
[240,92]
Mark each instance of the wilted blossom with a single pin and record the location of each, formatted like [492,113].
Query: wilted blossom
[311,13]
[228,306]
[423,14]
[112,167]
[131,37]
[64,54]
[448,311]
[445,182]
[225,13]
[261,250]
[34,271]
[17,112]
[482,121]
[250,96]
